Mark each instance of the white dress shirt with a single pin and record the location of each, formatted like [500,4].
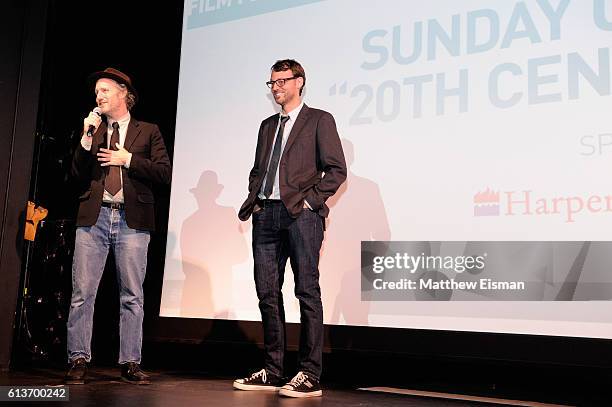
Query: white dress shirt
[86,142]
[287,130]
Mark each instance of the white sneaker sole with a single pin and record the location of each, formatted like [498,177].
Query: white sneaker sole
[299,394]
[249,387]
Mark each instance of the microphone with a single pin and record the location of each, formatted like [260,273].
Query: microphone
[97,111]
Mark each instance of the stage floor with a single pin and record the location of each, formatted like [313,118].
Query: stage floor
[177,389]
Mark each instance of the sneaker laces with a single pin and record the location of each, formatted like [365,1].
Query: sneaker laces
[262,373]
[298,379]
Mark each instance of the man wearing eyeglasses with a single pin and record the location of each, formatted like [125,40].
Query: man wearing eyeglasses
[299,164]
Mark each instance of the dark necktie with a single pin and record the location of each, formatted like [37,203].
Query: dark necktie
[112,183]
[276,154]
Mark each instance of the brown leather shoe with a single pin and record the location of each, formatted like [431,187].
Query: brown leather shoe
[77,372]
[131,373]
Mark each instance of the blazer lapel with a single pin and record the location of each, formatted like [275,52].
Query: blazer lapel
[297,127]
[133,131]
[99,138]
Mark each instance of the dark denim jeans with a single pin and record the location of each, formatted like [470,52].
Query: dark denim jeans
[91,248]
[277,237]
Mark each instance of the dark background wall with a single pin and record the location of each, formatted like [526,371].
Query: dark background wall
[21,46]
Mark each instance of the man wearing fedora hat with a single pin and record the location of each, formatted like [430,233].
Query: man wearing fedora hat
[117,162]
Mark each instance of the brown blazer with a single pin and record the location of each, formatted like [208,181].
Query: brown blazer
[149,164]
[312,165]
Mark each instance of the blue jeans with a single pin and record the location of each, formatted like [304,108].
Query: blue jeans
[277,237]
[91,249]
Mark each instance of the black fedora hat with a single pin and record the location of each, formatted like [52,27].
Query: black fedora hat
[116,75]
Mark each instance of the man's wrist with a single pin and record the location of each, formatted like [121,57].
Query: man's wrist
[128,160]
[86,142]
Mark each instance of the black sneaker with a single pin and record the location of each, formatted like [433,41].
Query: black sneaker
[302,385]
[131,373]
[77,372]
[258,381]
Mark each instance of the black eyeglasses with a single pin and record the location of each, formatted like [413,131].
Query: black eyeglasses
[280,82]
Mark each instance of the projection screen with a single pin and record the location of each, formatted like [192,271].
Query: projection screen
[461,121]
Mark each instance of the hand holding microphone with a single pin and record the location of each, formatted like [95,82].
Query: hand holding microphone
[91,122]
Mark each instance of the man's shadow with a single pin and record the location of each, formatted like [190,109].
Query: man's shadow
[211,243]
[357,213]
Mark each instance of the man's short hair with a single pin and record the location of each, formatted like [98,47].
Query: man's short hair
[296,69]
